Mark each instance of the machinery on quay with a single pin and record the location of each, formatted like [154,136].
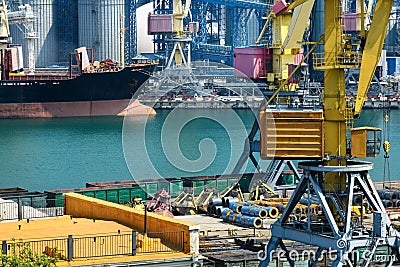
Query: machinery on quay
[323,138]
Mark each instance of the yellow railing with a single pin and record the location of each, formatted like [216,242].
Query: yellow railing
[349,112]
[347,59]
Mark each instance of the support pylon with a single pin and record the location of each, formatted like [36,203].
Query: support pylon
[337,229]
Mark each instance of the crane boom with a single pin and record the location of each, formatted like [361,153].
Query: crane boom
[372,50]
[298,24]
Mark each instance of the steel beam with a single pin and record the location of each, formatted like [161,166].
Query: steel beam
[240,3]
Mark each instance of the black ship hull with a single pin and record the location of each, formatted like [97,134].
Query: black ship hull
[89,94]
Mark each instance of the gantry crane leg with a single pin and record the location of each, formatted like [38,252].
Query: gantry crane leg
[336,232]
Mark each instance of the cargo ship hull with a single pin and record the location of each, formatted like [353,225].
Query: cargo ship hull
[89,94]
[63,109]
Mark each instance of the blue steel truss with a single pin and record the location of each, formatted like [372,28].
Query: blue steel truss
[162,7]
[209,17]
[130,31]
[239,3]
[222,26]
[241,17]
[12,5]
[67,18]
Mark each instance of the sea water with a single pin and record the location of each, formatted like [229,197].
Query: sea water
[63,153]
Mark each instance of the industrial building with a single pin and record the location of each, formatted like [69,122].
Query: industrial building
[60,26]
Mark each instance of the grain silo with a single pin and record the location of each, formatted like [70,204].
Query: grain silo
[99,25]
[253,28]
[45,26]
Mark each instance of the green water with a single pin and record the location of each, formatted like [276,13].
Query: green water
[44,154]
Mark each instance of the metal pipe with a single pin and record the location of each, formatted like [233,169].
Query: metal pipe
[292,218]
[238,218]
[253,221]
[297,211]
[396,203]
[258,212]
[218,210]
[389,195]
[387,203]
[216,201]
[246,210]
[273,212]
[248,203]
[230,200]
[236,207]
[225,213]
[221,211]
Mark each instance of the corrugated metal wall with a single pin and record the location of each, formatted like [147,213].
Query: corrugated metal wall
[99,26]
[253,30]
[46,45]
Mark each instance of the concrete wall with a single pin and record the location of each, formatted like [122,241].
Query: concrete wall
[78,205]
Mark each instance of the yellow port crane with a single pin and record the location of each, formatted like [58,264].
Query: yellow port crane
[173,24]
[180,12]
[288,23]
[331,174]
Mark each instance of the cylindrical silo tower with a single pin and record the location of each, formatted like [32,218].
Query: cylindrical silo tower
[45,26]
[99,26]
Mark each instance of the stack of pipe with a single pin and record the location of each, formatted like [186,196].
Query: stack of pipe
[247,213]
[267,208]
[236,207]
[300,211]
[390,198]
[226,201]
[239,218]
[261,212]
[214,207]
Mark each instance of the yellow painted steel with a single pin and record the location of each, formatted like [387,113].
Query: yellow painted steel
[288,28]
[365,142]
[281,57]
[291,134]
[334,84]
[285,82]
[372,50]
[334,95]
[360,10]
[299,22]
[339,53]
[334,98]
[295,3]
[179,13]
[78,205]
